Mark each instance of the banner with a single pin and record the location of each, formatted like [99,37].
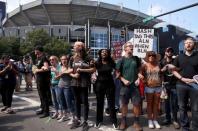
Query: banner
[117,49]
[143,42]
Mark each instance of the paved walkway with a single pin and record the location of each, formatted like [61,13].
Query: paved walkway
[25,102]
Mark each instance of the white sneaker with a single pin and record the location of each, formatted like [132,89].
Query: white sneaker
[64,118]
[71,121]
[59,117]
[156,124]
[150,124]
[55,115]
[9,111]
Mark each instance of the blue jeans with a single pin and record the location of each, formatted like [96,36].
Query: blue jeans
[171,104]
[117,93]
[66,99]
[54,92]
[152,89]
[185,92]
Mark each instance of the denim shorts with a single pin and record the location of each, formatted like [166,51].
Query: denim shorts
[153,89]
[130,92]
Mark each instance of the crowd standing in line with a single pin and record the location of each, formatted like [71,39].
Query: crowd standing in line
[67,83]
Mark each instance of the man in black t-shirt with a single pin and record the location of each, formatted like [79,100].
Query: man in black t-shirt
[171,103]
[43,81]
[186,67]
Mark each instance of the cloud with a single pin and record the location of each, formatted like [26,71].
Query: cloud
[13,4]
[155,10]
[26,1]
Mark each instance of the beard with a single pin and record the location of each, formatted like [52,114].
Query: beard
[130,52]
[189,49]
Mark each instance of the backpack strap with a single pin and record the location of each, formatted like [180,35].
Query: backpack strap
[121,64]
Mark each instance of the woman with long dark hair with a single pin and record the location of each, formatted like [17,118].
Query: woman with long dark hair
[65,93]
[105,86]
[8,73]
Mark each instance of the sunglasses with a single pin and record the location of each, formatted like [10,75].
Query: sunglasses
[169,51]
[153,55]
[63,59]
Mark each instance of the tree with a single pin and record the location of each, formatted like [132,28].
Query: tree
[57,47]
[10,45]
[34,38]
[16,47]
[38,37]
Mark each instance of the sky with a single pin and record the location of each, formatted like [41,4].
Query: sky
[186,18]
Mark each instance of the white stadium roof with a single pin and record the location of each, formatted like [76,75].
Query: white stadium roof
[76,12]
[66,12]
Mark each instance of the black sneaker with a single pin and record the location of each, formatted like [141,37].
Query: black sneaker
[39,112]
[75,124]
[118,111]
[4,108]
[28,89]
[97,125]
[44,115]
[166,122]
[107,112]
[115,126]
[85,126]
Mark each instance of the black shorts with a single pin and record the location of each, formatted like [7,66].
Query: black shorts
[130,92]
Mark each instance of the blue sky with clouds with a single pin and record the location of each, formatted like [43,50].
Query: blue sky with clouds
[185,18]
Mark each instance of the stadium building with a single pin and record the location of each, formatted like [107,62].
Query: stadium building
[98,24]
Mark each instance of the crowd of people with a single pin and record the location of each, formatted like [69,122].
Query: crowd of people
[67,83]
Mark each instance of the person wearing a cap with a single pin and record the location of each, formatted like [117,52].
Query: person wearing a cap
[171,103]
[152,77]
[186,66]
[28,73]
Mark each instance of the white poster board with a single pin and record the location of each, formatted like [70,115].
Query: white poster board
[143,42]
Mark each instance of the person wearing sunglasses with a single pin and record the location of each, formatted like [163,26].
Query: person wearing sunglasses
[152,77]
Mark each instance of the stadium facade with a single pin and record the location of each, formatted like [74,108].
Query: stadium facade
[98,24]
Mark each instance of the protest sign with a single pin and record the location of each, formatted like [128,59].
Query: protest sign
[143,42]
